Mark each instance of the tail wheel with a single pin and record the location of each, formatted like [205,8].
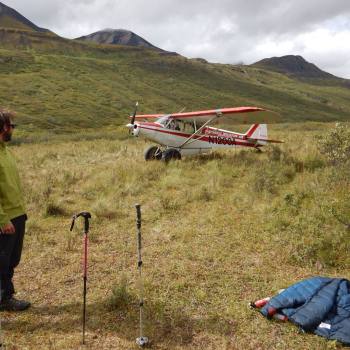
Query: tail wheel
[171,154]
[153,153]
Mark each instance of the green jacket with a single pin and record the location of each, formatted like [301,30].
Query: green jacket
[11,196]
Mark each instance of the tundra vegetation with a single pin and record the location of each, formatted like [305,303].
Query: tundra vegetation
[219,230]
[60,85]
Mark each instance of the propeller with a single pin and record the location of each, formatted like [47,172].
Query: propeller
[131,125]
[134,115]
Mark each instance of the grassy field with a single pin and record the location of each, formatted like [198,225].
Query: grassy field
[219,231]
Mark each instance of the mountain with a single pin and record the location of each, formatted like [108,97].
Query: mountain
[117,37]
[10,18]
[295,66]
[61,84]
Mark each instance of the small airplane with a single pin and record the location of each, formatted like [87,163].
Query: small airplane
[189,133]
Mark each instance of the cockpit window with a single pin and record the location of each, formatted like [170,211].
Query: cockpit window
[163,120]
[188,127]
[173,125]
[169,122]
[178,125]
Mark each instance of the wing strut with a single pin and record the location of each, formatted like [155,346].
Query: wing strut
[218,115]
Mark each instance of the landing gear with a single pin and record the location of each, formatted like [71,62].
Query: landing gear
[171,154]
[156,153]
[153,153]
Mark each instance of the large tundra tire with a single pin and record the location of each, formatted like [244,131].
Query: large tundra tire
[171,154]
[153,153]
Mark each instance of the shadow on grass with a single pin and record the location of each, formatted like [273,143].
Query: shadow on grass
[234,155]
[163,323]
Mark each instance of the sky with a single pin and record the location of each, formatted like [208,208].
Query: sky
[222,31]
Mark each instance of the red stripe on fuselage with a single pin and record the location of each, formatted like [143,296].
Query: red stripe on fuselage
[167,131]
[204,138]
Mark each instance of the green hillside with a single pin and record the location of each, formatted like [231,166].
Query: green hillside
[59,84]
[10,22]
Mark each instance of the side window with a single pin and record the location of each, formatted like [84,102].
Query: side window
[163,120]
[189,127]
[173,124]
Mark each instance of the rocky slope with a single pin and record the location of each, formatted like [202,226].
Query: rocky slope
[295,66]
[117,37]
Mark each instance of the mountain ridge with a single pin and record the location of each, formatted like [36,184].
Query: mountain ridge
[59,83]
[294,65]
[117,37]
[10,18]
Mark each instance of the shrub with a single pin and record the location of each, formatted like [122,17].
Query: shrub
[170,203]
[120,297]
[53,209]
[204,193]
[313,163]
[340,209]
[274,153]
[265,181]
[269,177]
[335,145]
[277,155]
[104,208]
[312,233]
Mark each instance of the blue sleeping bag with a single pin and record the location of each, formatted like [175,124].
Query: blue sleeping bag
[319,304]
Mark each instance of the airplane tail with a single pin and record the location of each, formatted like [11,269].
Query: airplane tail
[258,133]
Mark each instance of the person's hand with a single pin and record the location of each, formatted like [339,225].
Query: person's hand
[8,229]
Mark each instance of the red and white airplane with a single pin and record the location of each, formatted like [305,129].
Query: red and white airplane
[189,133]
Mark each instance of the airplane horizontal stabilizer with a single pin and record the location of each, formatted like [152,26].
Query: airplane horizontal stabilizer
[265,140]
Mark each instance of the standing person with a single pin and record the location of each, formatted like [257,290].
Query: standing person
[12,217]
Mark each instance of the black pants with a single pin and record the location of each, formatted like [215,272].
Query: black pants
[10,255]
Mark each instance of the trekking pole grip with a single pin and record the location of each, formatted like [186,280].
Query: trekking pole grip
[86,224]
[86,215]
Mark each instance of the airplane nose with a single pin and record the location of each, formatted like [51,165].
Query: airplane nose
[136,130]
[133,129]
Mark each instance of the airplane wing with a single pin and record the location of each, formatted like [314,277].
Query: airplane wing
[240,115]
[148,116]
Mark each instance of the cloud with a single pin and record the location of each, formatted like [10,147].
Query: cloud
[226,31]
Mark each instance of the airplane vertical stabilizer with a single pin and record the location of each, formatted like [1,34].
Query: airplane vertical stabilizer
[257,131]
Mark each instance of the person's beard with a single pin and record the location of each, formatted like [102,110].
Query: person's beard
[7,136]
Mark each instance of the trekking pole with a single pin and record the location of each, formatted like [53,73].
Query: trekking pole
[86,215]
[141,340]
